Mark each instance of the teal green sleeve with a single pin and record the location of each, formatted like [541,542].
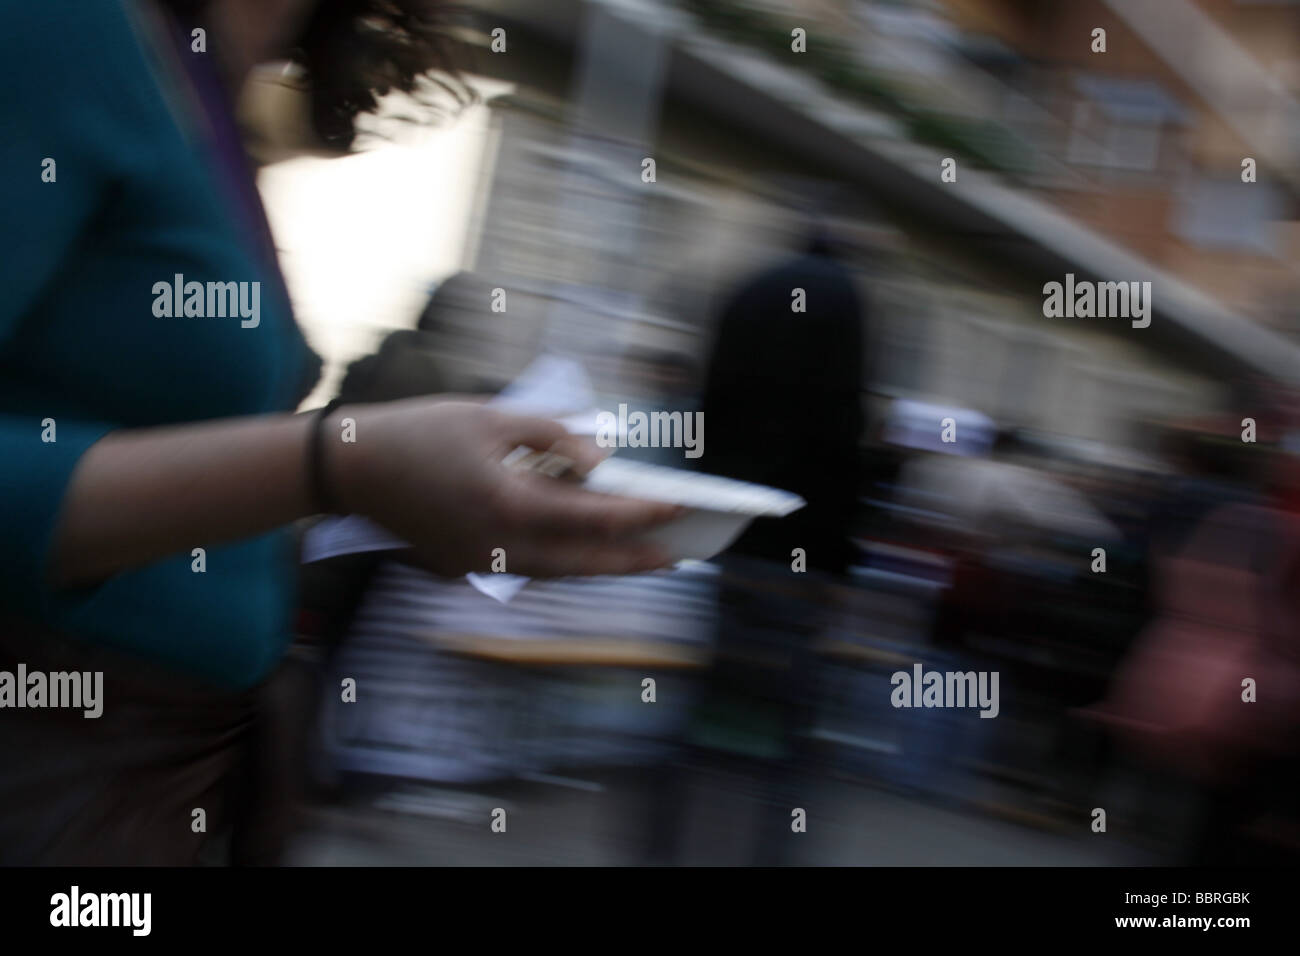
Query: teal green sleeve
[34,475]
[55,104]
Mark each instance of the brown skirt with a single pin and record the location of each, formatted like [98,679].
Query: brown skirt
[124,788]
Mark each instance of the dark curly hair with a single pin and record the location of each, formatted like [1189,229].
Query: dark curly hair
[356,51]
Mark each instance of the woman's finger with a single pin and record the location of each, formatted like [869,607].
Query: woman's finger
[532,504]
[582,451]
[534,431]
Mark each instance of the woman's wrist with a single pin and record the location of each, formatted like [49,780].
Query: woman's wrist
[343,461]
[320,484]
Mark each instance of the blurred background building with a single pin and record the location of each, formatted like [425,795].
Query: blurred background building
[1126,163]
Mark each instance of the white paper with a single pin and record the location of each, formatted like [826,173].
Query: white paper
[350,534]
[555,388]
[500,586]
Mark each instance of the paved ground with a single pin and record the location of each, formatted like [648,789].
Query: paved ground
[600,821]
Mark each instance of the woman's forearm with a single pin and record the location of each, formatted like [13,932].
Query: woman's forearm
[428,469]
[140,495]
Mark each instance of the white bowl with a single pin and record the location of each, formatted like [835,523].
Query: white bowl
[719,509]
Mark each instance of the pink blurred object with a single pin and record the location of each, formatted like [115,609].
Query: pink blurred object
[1226,616]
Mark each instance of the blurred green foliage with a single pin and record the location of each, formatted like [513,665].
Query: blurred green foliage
[980,141]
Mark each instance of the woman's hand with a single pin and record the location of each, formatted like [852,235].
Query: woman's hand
[430,471]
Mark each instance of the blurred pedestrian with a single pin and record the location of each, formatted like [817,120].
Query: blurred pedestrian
[782,404]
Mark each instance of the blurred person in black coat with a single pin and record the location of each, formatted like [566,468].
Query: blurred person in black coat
[782,406]
[782,402]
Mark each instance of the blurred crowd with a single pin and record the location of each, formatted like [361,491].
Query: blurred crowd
[1125,600]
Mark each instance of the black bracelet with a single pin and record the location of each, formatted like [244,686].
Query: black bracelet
[322,499]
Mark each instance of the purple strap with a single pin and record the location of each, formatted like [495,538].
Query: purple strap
[228,153]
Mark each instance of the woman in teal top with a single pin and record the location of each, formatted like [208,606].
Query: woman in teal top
[133,433]
[131,198]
